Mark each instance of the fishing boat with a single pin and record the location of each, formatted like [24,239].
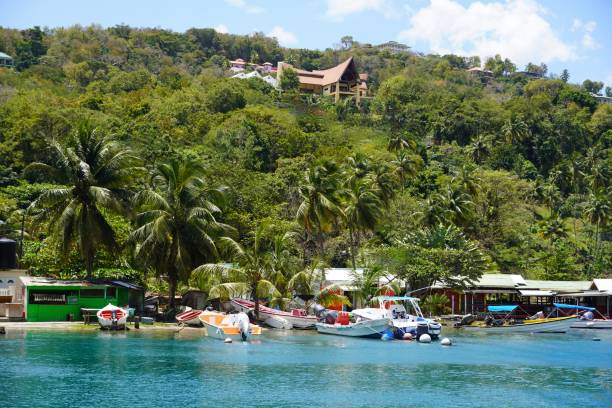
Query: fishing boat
[548,324]
[298,318]
[112,317]
[190,317]
[587,320]
[233,326]
[396,309]
[342,326]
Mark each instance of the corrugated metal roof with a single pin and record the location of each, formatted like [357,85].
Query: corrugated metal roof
[41,281]
[559,286]
[3,55]
[603,284]
[500,280]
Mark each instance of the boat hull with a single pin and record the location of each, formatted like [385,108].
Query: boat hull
[364,328]
[265,313]
[553,325]
[592,324]
[112,317]
[190,317]
[402,326]
[235,327]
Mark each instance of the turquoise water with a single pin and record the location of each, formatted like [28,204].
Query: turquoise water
[146,369]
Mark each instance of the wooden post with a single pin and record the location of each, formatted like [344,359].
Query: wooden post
[337,98]
[137,322]
[2,330]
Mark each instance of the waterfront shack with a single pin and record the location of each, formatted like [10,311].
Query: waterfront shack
[47,299]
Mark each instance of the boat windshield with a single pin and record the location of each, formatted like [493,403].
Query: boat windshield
[410,304]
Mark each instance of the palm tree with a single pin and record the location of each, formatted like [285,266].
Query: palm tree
[457,205]
[176,224]
[467,181]
[479,149]
[515,130]
[320,206]
[552,227]
[598,212]
[362,211]
[366,283]
[308,284]
[401,141]
[406,165]
[384,182]
[251,275]
[436,304]
[95,172]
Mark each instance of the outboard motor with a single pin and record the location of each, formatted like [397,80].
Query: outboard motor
[331,316]
[422,328]
[318,309]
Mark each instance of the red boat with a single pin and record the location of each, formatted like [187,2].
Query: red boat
[297,317]
[190,317]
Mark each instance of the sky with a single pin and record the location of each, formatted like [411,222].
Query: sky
[575,35]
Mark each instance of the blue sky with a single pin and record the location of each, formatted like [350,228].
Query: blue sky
[568,34]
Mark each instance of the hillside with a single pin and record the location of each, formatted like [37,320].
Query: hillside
[439,175]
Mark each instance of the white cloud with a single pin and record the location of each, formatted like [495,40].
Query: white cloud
[243,5]
[338,9]
[516,29]
[284,37]
[221,28]
[587,28]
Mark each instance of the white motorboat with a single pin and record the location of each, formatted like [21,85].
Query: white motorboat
[297,317]
[362,328]
[277,322]
[234,326]
[190,317]
[112,317]
[394,308]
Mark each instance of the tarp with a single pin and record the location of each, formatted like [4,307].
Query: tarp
[501,308]
[565,306]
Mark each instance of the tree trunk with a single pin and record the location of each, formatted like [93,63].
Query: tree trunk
[89,261]
[256,307]
[352,244]
[172,283]
[321,244]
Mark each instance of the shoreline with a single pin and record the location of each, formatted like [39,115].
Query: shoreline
[88,327]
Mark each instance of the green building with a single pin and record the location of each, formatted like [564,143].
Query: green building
[48,299]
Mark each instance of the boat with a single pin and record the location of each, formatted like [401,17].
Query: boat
[559,324]
[112,317]
[394,308]
[190,317]
[277,322]
[587,320]
[298,318]
[236,326]
[358,328]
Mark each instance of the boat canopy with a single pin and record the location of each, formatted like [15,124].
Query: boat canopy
[394,298]
[501,308]
[566,306]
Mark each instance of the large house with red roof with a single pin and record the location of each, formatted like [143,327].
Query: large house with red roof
[342,81]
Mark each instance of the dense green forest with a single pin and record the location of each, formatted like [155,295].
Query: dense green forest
[129,153]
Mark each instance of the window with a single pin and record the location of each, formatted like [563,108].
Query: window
[42,297]
[92,293]
[11,281]
[111,292]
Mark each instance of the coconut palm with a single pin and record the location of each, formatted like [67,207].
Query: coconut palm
[95,173]
[362,211]
[366,283]
[479,149]
[467,180]
[598,212]
[176,225]
[515,130]
[552,227]
[457,205]
[401,141]
[320,206]
[384,182]
[250,274]
[308,284]
[406,165]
